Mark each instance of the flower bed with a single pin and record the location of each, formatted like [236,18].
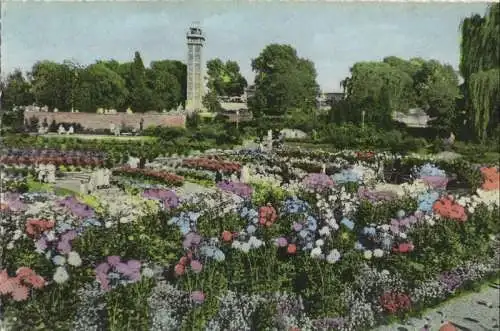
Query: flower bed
[46,156]
[161,176]
[211,164]
[342,252]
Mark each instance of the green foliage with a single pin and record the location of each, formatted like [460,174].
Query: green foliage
[283,82]
[104,84]
[479,65]
[396,85]
[225,79]
[16,91]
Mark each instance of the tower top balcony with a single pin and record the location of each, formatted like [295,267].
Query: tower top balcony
[195,35]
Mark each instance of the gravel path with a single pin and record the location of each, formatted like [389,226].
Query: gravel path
[468,313]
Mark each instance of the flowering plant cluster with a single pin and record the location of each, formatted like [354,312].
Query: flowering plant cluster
[115,271]
[18,287]
[46,156]
[241,189]
[327,255]
[446,207]
[165,177]
[211,164]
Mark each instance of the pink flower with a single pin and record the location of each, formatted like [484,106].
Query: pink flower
[102,268]
[134,265]
[198,296]
[196,266]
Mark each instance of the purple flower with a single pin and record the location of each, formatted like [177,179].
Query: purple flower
[243,190]
[64,246]
[41,244]
[134,265]
[318,182]
[297,226]
[70,235]
[113,260]
[102,268]
[281,242]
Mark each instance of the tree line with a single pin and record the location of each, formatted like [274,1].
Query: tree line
[285,84]
[103,84]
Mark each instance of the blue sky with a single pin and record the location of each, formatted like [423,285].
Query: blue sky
[333,35]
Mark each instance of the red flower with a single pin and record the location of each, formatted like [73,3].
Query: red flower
[267,215]
[227,236]
[291,249]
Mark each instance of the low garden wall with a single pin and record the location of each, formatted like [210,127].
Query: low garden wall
[104,121]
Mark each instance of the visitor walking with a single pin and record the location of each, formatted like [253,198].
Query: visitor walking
[218,177]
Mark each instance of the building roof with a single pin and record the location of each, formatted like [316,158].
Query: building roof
[234,106]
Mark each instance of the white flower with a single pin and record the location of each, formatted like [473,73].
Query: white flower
[61,275]
[245,247]
[402,235]
[59,260]
[148,272]
[236,244]
[471,210]
[385,272]
[17,234]
[385,227]
[316,252]
[320,242]
[333,257]
[51,236]
[368,254]
[10,245]
[378,252]
[324,231]
[74,259]
[431,222]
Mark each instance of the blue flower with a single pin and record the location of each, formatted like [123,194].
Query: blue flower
[348,223]
[251,229]
[369,231]
[303,233]
[358,246]
[312,224]
[219,255]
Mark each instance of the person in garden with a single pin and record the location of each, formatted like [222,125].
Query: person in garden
[218,177]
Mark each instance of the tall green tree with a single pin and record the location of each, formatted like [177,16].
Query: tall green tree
[225,79]
[479,66]
[378,89]
[99,87]
[177,81]
[283,81]
[16,91]
[140,95]
[52,84]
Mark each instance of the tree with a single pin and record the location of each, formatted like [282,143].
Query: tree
[225,79]
[378,89]
[173,87]
[165,88]
[16,91]
[211,102]
[283,81]
[140,97]
[99,87]
[52,84]
[480,66]
[437,90]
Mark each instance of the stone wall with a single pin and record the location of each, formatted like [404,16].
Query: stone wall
[104,121]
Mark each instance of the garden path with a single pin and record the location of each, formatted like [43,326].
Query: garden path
[468,313]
